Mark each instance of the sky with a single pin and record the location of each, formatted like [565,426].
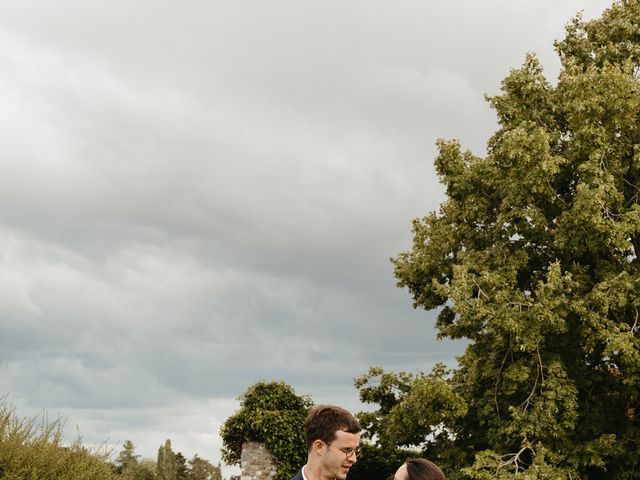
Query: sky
[197,196]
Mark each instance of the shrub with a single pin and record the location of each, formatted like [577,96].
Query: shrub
[271,413]
[32,448]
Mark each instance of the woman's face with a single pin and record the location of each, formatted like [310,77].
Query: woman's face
[402,473]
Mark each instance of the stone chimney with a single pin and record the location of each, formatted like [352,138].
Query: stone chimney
[256,462]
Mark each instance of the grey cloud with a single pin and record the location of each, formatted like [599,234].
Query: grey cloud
[195,198]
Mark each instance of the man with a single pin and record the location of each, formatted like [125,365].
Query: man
[332,436]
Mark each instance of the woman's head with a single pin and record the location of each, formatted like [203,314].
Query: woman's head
[419,469]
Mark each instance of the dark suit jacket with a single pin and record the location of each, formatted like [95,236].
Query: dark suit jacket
[298,476]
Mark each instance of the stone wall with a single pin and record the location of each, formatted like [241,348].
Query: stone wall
[256,462]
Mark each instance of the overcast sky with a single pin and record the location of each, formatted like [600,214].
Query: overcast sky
[195,196]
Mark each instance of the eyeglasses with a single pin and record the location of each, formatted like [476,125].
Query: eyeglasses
[349,452]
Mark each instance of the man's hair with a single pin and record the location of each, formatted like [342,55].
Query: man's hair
[421,469]
[325,420]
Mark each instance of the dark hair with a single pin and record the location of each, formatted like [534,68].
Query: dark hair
[421,469]
[325,420]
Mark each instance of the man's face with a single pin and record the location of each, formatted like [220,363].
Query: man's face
[339,455]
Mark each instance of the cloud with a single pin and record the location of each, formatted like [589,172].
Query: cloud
[195,198]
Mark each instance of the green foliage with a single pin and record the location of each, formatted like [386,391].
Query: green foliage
[533,258]
[126,456]
[181,467]
[412,407]
[167,466]
[170,465]
[200,469]
[272,413]
[33,449]
[378,463]
[413,411]
[144,469]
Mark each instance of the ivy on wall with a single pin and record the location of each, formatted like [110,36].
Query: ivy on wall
[271,413]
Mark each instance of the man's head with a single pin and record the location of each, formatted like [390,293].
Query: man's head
[325,420]
[333,436]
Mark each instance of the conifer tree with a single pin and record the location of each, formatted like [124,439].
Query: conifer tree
[126,456]
[167,467]
[181,466]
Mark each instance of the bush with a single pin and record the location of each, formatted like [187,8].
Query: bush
[32,449]
[273,414]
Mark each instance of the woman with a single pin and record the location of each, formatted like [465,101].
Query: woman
[419,469]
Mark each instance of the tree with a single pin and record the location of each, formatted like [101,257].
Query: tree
[378,463]
[145,469]
[126,456]
[533,258]
[272,413]
[181,466]
[167,467]
[413,410]
[201,469]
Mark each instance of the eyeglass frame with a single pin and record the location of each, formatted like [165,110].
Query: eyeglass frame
[350,451]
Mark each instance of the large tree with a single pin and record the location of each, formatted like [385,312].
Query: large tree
[533,259]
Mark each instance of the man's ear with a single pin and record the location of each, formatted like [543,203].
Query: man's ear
[318,447]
